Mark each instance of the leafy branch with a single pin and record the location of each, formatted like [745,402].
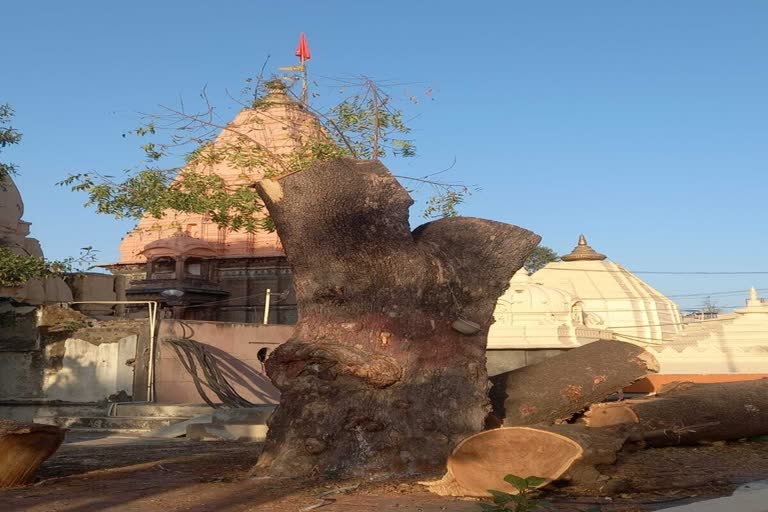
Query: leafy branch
[9,136]
[365,125]
[17,269]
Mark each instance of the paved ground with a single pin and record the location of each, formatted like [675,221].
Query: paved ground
[130,474]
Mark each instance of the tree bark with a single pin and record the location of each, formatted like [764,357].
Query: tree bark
[377,378]
[23,447]
[686,413]
[559,452]
[554,390]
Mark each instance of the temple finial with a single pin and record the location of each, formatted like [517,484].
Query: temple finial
[583,252]
[754,301]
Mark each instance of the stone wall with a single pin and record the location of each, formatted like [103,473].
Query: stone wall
[88,372]
[712,359]
[18,327]
[90,286]
[70,359]
[236,344]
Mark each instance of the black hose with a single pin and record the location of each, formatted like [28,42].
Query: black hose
[194,355]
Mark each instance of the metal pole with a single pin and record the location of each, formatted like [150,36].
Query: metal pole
[266,306]
[151,365]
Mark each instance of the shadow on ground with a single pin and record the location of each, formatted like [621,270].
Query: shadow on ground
[130,474]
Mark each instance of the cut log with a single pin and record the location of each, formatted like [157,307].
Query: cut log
[23,447]
[685,413]
[382,374]
[558,452]
[555,389]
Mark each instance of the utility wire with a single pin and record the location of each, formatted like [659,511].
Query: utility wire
[194,355]
[665,272]
[691,295]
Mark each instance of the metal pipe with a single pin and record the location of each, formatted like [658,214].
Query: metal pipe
[266,306]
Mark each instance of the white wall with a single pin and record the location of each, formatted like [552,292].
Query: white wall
[91,372]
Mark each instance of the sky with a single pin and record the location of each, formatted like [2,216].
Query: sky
[642,125]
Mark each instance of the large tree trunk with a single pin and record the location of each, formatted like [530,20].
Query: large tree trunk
[685,413]
[377,377]
[23,447]
[554,390]
[559,452]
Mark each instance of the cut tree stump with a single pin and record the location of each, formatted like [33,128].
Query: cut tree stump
[385,372]
[557,452]
[23,447]
[685,413]
[557,388]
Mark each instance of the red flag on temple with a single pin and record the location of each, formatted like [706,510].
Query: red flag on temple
[302,51]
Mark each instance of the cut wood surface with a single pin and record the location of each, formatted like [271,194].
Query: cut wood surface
[481,461]
[555,389]
[684,413]
[23,447]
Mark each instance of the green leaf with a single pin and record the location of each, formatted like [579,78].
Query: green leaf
[501,497]
[535,481]
[520,483]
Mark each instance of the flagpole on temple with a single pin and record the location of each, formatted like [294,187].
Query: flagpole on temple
[303,53]
[304,84]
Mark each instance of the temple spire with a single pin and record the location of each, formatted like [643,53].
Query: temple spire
[753,300]
[583,252]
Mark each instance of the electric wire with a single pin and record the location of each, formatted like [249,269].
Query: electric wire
[663,272]
[195,356]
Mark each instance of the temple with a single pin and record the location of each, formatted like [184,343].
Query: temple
[586,297]
[579,299]
[14,236]
[203,272]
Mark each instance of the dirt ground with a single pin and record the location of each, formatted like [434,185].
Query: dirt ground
[124,473]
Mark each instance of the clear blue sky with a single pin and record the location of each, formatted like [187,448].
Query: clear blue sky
[643,125]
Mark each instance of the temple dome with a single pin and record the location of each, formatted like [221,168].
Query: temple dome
[533,315]
[613,297]
[525,295]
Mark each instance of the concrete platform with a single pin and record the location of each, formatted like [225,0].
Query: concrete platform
[246,424]
[219,432]
[26,411]
[178,429]
[183,411]
[247,416]
[131,423]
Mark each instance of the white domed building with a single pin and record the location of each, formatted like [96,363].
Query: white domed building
[586,297]
[612,297]
[532,315]
[568,303]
